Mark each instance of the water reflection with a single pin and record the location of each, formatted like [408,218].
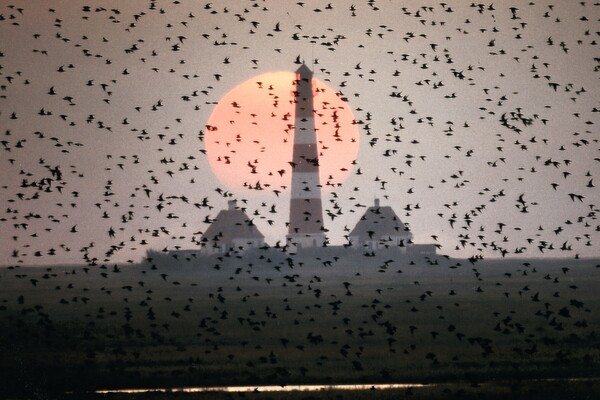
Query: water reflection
[268,388]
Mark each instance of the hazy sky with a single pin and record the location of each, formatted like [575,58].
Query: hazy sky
[477,123]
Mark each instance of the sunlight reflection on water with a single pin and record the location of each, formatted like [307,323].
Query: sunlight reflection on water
[269,388]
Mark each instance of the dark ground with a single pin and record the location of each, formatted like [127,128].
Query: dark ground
[330,318]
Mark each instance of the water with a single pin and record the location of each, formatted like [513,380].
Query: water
[267,388]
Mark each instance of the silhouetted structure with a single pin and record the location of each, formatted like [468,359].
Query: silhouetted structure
[380,228]
[231,230]
[306,212]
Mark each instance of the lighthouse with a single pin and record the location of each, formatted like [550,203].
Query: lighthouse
[306,212]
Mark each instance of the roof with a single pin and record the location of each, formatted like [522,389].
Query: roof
[379,222]
[304,71]
[230,225]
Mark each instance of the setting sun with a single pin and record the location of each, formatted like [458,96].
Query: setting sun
[250,134]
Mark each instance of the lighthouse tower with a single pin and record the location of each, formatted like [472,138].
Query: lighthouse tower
[306,212]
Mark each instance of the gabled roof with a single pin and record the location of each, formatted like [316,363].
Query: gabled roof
[231,224]
[379,222]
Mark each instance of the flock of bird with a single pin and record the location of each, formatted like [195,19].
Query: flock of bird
[476,120]
[469,120]
[272,317]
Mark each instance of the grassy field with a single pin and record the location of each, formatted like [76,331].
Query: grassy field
[272,318]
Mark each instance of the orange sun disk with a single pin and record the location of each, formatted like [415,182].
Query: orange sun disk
[249,136]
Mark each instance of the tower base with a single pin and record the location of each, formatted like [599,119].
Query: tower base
[306,240]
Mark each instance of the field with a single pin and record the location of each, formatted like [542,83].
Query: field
[274,318]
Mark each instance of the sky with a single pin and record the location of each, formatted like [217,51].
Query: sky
[476,122]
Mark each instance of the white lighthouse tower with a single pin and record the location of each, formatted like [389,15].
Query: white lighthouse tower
[306,212]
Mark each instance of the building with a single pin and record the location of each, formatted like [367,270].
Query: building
[380,228]
[231,230]
[306,212]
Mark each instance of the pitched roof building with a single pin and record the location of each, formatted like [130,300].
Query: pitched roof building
[231,230]
[380,228]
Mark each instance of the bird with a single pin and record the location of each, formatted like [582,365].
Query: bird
[111,134]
